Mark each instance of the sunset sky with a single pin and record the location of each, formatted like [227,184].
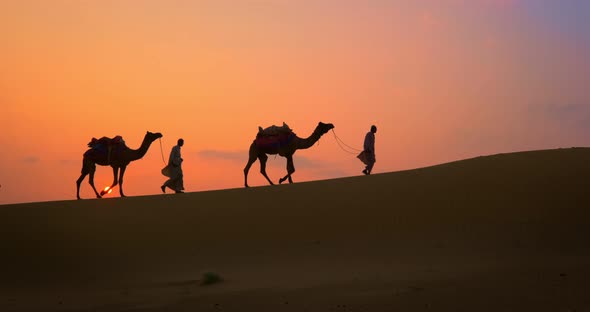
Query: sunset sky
[443,80]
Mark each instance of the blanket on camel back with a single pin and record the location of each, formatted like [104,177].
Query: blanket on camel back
[274,136]
[107,146]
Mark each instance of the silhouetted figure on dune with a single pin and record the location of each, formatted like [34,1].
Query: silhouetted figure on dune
[282,141]
[114,153]
[174,170]
[367,156]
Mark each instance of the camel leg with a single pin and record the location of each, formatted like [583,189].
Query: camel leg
[263,158]
[251,160]
[115,181]
[79,181]
[252,155]
[121,181]
[290,170]
[91,180]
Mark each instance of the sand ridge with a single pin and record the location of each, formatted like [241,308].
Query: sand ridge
[496,233]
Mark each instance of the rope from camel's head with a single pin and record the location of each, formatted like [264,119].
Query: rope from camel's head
[345,147]
[162,151]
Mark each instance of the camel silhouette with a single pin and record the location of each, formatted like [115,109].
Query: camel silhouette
[285,145]
[118,159]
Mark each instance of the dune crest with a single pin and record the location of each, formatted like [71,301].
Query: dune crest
[500,232]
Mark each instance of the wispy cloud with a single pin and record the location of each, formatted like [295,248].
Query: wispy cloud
[570,114]
[31,159]
[559,123]
[241,157]
[302,161]
[69,162]
[234,156]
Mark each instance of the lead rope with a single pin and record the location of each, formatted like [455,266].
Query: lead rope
[349,149]
[162,151]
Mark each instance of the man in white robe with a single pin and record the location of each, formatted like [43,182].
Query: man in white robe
[369,150]
[174,170]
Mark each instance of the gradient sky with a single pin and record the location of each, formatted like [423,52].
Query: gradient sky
[442,79]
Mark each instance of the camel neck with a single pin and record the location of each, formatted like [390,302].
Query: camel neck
[141,151]
[309,141]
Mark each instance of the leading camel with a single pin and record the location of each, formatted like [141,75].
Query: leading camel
[118,159]
[285,148]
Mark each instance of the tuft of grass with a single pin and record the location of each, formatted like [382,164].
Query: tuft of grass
[210,278]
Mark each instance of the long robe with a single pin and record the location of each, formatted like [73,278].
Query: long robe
[367,156]
[369,146]
[174,170]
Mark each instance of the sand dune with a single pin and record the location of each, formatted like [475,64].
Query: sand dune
[507,232]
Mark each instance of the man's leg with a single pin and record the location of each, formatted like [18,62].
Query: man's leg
[369,167]
[166,184]
[179,184]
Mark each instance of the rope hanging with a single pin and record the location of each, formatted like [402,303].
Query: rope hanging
[162,151]
[349,149]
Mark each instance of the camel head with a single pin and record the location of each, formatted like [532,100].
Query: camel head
[151,137]
[323,128]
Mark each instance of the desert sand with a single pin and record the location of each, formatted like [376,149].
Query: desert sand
[507,232]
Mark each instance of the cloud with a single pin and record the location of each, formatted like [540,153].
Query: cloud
[304,162]
[69,162]
[30,159]
[234,156]
[431,21]
[564,114]
[564,123]
[502,3]
[241,157]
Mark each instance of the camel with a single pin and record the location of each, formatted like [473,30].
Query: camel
[116,159]
[286,147]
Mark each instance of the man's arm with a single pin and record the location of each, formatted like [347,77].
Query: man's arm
[369,145]
[176,160]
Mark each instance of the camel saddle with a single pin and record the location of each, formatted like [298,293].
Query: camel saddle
[106,147]
[105,141]
[274,137]
[274,130]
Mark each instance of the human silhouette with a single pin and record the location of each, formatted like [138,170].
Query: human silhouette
[174,170]
[369,150]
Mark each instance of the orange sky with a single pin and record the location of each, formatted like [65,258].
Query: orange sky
[443,80]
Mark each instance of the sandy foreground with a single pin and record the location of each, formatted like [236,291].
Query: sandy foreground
[509,232]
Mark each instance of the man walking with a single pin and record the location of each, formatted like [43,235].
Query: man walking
[369,150]
[174,170]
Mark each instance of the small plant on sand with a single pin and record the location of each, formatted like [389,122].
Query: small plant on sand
[210,278]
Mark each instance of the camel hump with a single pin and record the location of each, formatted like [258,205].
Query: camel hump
[274,130]
[106,141]
[274,141]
